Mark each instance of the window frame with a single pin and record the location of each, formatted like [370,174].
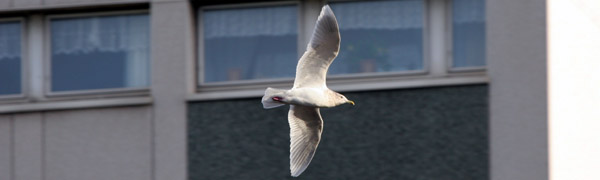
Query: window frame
[202,86]
[450,49]
[89,93]
[436,69]
[24,63]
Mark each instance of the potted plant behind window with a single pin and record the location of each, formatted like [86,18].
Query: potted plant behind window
[367,57]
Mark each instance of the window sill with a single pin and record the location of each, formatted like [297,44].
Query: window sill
[73,104]
[347,85]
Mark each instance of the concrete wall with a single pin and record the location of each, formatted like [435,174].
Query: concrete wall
[105,143]
[516,56]
[173,73]
[6,147]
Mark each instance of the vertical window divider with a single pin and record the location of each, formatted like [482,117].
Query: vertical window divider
[309,12]
[35,57]
[437,40]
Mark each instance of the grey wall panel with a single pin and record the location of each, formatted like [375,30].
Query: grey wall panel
[26,3]
[28,146]
[111,143]
[172,72]
[426,134]
[516,56]
[6,147]
[84,2]
[58,2]
[10,5]
[4,4]
[158,1]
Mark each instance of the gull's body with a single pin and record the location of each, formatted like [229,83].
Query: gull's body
[310,92]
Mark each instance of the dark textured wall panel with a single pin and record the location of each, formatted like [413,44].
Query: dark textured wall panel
[415,134]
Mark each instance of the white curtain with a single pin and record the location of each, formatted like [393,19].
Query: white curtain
[267,21]
[379,14]
[10,40]
[125,33]
[282,20]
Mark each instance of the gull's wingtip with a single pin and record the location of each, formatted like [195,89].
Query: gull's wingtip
[326,31]
[326,10]
[295,172]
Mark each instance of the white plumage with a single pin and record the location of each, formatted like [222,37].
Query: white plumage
[310,92]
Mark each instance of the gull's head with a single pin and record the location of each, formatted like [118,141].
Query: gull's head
[341,99]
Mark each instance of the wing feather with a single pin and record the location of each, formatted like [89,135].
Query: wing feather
[306,126]
[323,47]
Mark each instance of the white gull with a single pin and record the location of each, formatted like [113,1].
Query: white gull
[310,92]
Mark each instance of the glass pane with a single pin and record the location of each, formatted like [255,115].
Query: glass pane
[100,52]
[379,36]
[468,33]
[250,43]
[10,58]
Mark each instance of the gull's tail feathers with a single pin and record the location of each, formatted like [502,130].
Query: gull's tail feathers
[267,100]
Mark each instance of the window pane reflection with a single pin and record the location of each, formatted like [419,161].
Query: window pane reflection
[10,58]
[100,52]
[250,43]
[468,33]
[379,36]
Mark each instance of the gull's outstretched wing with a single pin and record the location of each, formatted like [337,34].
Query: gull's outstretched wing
[306,126]
[323,47]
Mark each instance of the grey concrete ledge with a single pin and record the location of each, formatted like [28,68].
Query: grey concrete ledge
[349,86]
[74,104]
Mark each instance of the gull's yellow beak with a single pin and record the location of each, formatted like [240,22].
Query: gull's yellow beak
[351,102]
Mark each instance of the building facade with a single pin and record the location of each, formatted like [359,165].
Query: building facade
[170,89]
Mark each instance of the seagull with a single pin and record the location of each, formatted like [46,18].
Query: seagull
[309,92]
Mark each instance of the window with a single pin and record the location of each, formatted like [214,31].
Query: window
[379,36]
[385,44]
[10,58]
[99,52]
[468,33]
[249,43]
